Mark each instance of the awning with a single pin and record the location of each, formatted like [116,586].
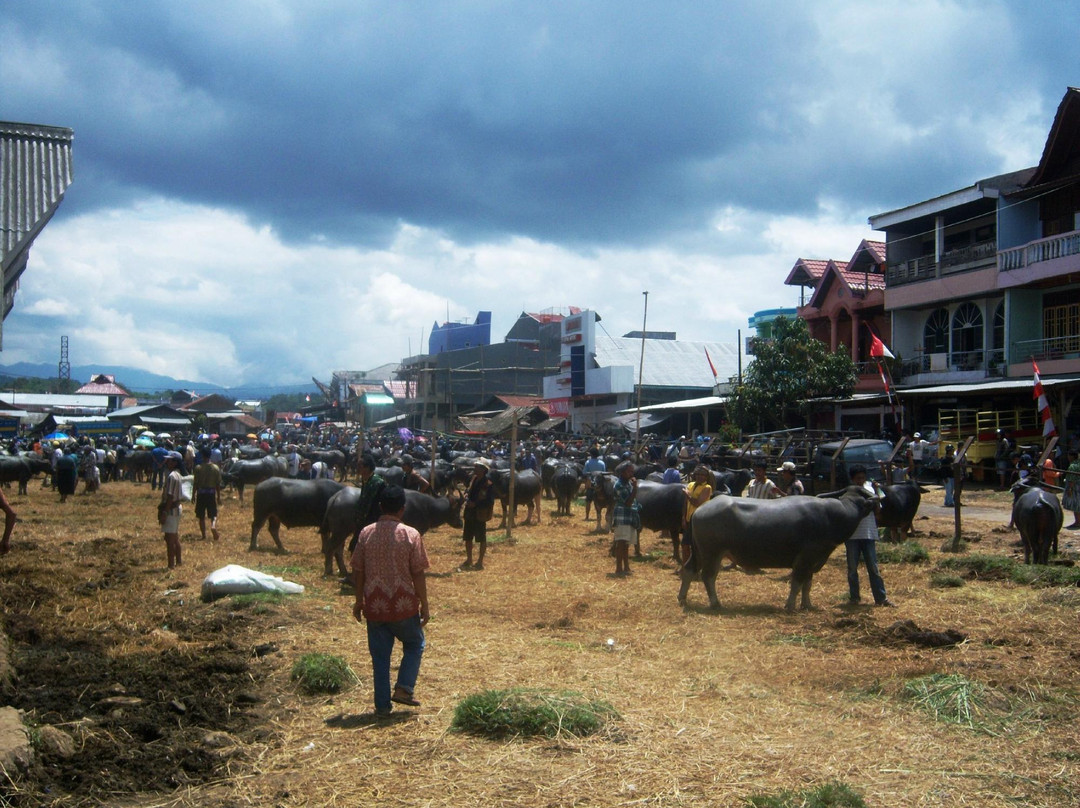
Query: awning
[678,406]
[629,422]
[392,420]
[377,400]
[1009,386]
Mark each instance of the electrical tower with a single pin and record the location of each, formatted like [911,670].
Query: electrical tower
[64,371]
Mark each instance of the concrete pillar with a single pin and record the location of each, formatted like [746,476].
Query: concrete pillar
[834,323]
[856,322]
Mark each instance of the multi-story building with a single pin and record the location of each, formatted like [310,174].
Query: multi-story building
[982,280]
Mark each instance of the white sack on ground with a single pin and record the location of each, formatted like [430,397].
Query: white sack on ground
[236,580]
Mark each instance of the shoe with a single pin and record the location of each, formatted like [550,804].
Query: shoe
[855,599]
[383,713]
[402,696]
[887,603]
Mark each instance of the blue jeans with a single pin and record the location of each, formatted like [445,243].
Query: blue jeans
[380,638]
[866,548]
[949,485]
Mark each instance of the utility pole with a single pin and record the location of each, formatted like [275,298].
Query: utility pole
[641,375]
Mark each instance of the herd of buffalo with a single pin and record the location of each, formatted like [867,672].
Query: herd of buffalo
[798,533]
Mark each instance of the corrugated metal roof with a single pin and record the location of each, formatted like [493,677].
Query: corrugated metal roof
[54,400]
[670,363]
[35,170]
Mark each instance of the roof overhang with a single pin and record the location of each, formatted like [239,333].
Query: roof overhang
[1012,385]
[932,207]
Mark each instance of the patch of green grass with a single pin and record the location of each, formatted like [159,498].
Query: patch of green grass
[528,711]
[322,673]
[907,552]
[282,569]
[652,555]
[1000,568]
[258,602]
[829,795]
[945,580]
[949,697]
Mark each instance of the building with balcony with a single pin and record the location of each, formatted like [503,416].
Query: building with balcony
[982,280]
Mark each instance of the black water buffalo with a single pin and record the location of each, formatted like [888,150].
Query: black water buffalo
[662,508]
[566,482]
[734,480]
[21,468]
[135,465]
[528,488]
[248,452]
[602,487]
[1038,516]
[393,475]
[253,472]
[334,458]
[799,533]
[899,507]
[547,476]
[293,503]
[422,511]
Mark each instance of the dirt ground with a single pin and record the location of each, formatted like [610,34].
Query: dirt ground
[172,701]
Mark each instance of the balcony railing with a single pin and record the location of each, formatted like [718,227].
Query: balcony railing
[1050,348]
[1034,252]
[972,256]
[991,361]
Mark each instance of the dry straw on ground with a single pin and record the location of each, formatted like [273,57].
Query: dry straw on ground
[713,707]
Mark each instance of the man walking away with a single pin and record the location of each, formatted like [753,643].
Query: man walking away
[391,592]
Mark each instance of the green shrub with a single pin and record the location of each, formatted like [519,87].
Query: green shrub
[258,602]
[322,673]
[521,711]
[908,552]
[829,795]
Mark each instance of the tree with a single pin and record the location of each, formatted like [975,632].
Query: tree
[788,370]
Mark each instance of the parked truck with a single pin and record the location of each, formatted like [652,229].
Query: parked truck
[1021,425]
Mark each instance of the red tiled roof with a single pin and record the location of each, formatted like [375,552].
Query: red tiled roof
[400,389]
[860,280]
[806,272]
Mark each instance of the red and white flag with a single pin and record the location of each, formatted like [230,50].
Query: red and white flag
[878,349]
[1044,406]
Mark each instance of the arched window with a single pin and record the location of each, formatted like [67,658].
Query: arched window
[967,336]
[936,332]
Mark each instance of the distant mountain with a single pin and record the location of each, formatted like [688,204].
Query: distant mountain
[142,382]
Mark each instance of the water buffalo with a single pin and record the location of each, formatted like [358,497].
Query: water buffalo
[527,488]
[1038,516]
[334,458]
[422,511]
[899,507]
[602,486]
[135,465]
[253,472]
[662,508]
[20,469]
[293,503]
[799,533]
[566,482]
[734,480]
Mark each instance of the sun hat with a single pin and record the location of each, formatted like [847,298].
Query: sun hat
[787,465]
[482,462]
[179,458]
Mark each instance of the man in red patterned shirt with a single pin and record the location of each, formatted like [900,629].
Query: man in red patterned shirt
[391,592]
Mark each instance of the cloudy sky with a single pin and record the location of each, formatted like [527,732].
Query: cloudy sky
[267,190]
